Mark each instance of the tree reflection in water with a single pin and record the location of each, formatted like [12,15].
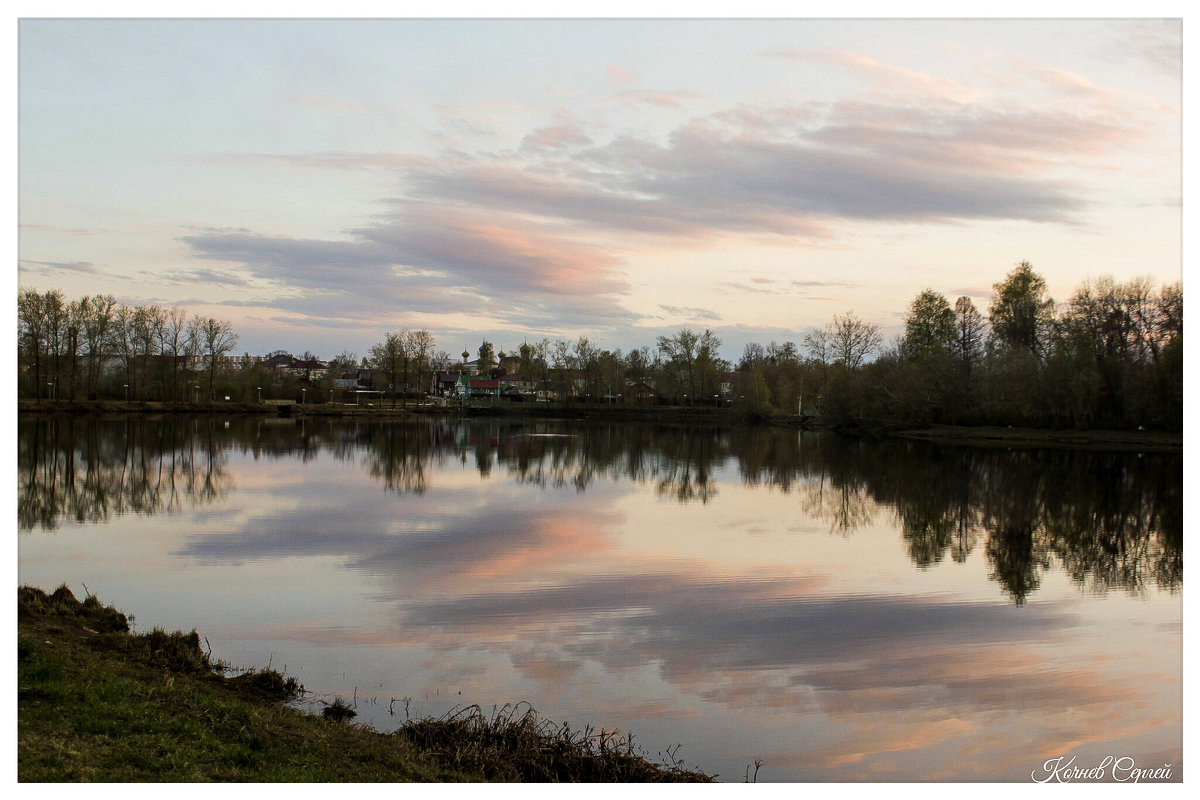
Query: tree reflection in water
[90,470]
[1110,520]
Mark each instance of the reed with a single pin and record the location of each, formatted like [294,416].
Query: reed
[516,743]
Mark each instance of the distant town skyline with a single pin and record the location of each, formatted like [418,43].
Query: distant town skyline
[320,182]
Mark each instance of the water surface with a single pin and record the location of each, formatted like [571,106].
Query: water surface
[842,610]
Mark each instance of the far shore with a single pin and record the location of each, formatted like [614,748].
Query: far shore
[1158,441]
[984,435]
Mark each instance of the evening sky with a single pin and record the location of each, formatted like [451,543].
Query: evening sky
[319,182]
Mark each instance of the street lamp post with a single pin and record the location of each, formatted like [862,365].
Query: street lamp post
[126,392]
[331,397]
[259,394]
[685,399]
[195,393]
[303,393]
[51,385]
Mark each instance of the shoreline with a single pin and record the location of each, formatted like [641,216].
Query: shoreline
[998,436]
[982,435]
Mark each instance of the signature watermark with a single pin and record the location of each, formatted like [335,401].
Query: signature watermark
[1122,769]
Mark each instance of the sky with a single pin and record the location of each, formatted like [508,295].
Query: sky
[319,182]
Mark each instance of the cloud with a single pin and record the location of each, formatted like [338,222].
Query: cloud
[970,291]
[1156,44]
[660,99]
[690,312]
[618,75]
[344,104]
[555,137]
[860,165]
[85,267]
[783,120]
[742,287]
[430,260]
[201,276]
[493,253]
[878,75]
[67,231]
[542,237]
[820,284]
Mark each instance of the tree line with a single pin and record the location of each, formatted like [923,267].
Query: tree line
[1110,356]
[67,350]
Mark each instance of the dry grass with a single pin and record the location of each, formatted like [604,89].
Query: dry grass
[515,743]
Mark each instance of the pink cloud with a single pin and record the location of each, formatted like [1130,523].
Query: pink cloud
[671,99]
[555,137]
[619,76]
[883,76]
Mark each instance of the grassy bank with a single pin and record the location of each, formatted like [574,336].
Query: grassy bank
[99,703]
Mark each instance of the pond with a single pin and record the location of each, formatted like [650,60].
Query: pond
[842,610]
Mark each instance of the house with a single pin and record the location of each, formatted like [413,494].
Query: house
[640,392]
[242,362]
[277,359]
[544,391]
[515,386]
[483,387]
[352,379]
[445,383]
[283,361]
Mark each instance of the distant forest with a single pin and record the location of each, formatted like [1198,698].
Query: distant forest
[1111,356]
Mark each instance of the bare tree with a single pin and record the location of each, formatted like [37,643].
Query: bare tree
[421,351]
[216,339]
[586,361]
[96,326]
[55,310]
[31,332]
[310,358]
[678,354]
[76,311]
[818,346]
[561,353]
[123,340]
[152,330]
[389,357]
[173,334]
[850,340]
[970,332]
[638,363]
[1169,311]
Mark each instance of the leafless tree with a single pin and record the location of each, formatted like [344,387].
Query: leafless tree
[849,340]
[216,339]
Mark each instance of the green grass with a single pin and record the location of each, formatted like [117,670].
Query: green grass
[98,703]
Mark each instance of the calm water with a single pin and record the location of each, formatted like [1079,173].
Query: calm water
[845,611]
